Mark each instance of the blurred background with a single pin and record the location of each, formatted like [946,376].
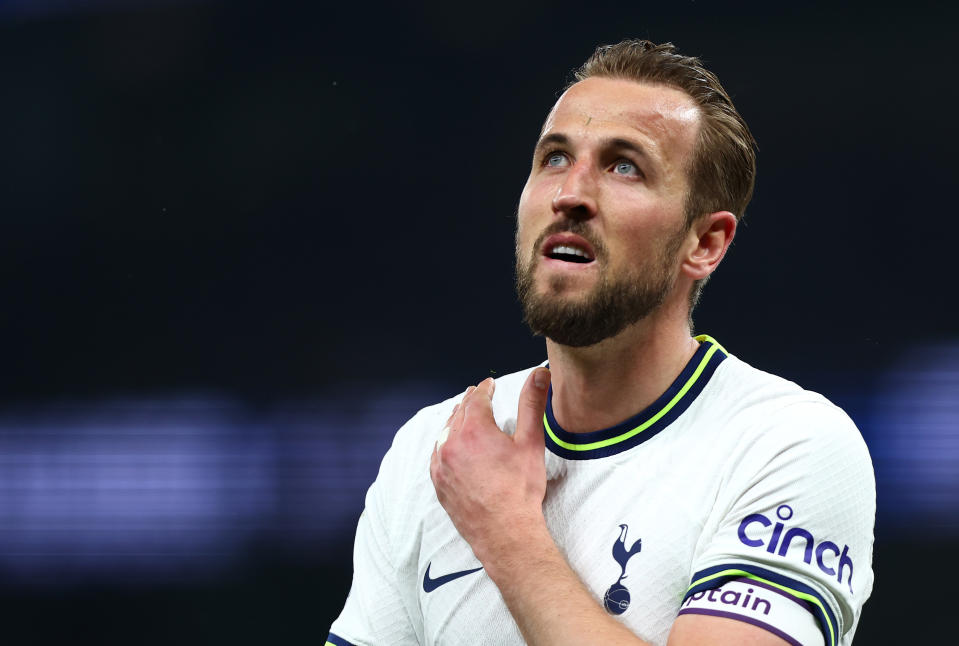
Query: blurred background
[243,242]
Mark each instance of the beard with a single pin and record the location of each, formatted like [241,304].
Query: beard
[612,305]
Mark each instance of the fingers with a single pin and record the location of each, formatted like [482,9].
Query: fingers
[532,405]
[444,435]
[455,420]
[477,405]
[454,423]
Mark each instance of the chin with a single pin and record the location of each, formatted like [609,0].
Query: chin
[568,286]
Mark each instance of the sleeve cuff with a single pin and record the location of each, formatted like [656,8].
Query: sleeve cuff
[718,575]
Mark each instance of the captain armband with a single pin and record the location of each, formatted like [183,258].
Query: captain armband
[761,605]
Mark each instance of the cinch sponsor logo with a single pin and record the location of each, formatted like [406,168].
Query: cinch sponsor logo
[826,551]
[731,598]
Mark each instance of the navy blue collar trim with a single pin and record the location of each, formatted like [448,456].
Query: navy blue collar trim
[644,425]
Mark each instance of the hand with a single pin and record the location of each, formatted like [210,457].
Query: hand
[492,485]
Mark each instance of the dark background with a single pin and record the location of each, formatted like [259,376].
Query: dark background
[243,242]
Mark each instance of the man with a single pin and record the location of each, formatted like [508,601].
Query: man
[684,497]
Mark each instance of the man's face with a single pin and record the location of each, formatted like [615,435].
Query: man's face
[601,218]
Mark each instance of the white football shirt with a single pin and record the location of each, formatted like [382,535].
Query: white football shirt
[735,494]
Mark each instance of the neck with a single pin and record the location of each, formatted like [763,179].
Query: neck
[603,384]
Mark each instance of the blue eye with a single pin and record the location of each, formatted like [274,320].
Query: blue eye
[626,168]
[556,159]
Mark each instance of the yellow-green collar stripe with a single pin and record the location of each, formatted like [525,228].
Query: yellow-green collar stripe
[652,420]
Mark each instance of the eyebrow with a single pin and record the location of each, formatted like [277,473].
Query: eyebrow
[626,144]
[559,139]
[553,138]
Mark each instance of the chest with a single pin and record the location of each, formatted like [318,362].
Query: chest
[629,531]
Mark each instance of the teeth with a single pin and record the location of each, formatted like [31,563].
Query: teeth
[572,251]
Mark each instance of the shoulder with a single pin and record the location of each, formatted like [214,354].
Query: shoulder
[402,495]
[796,459]
[789,437]
[750,386]
[766,407]
[417,437]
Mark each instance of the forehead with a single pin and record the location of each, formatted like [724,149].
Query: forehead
[664,119]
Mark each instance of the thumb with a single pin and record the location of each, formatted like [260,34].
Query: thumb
[532,405]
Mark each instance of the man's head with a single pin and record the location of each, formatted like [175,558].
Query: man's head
[723,168]
[642,154]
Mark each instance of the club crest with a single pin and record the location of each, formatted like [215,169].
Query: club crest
[617,597]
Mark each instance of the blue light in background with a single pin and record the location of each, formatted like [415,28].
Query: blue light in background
[146,491]
[914,440]
[184,488]
[140,488]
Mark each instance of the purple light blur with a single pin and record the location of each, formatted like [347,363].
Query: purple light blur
[915,442]
[145,491]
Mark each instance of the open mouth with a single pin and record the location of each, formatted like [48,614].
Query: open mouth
[568,253]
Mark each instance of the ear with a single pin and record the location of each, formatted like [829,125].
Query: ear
[710,237]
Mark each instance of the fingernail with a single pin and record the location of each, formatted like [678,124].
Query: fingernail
[541,379]
[492,385]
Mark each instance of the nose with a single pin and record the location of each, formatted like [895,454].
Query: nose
[576,196]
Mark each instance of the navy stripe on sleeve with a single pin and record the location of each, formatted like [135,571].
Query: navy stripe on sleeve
[716,576]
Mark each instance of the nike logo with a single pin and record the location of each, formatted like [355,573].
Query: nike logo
[431,584]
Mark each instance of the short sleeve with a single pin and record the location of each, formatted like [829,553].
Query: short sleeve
[795,516]
[377,612]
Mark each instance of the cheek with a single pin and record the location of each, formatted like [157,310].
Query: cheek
[527,198]
[525,218]
[633,242]
[523,240]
